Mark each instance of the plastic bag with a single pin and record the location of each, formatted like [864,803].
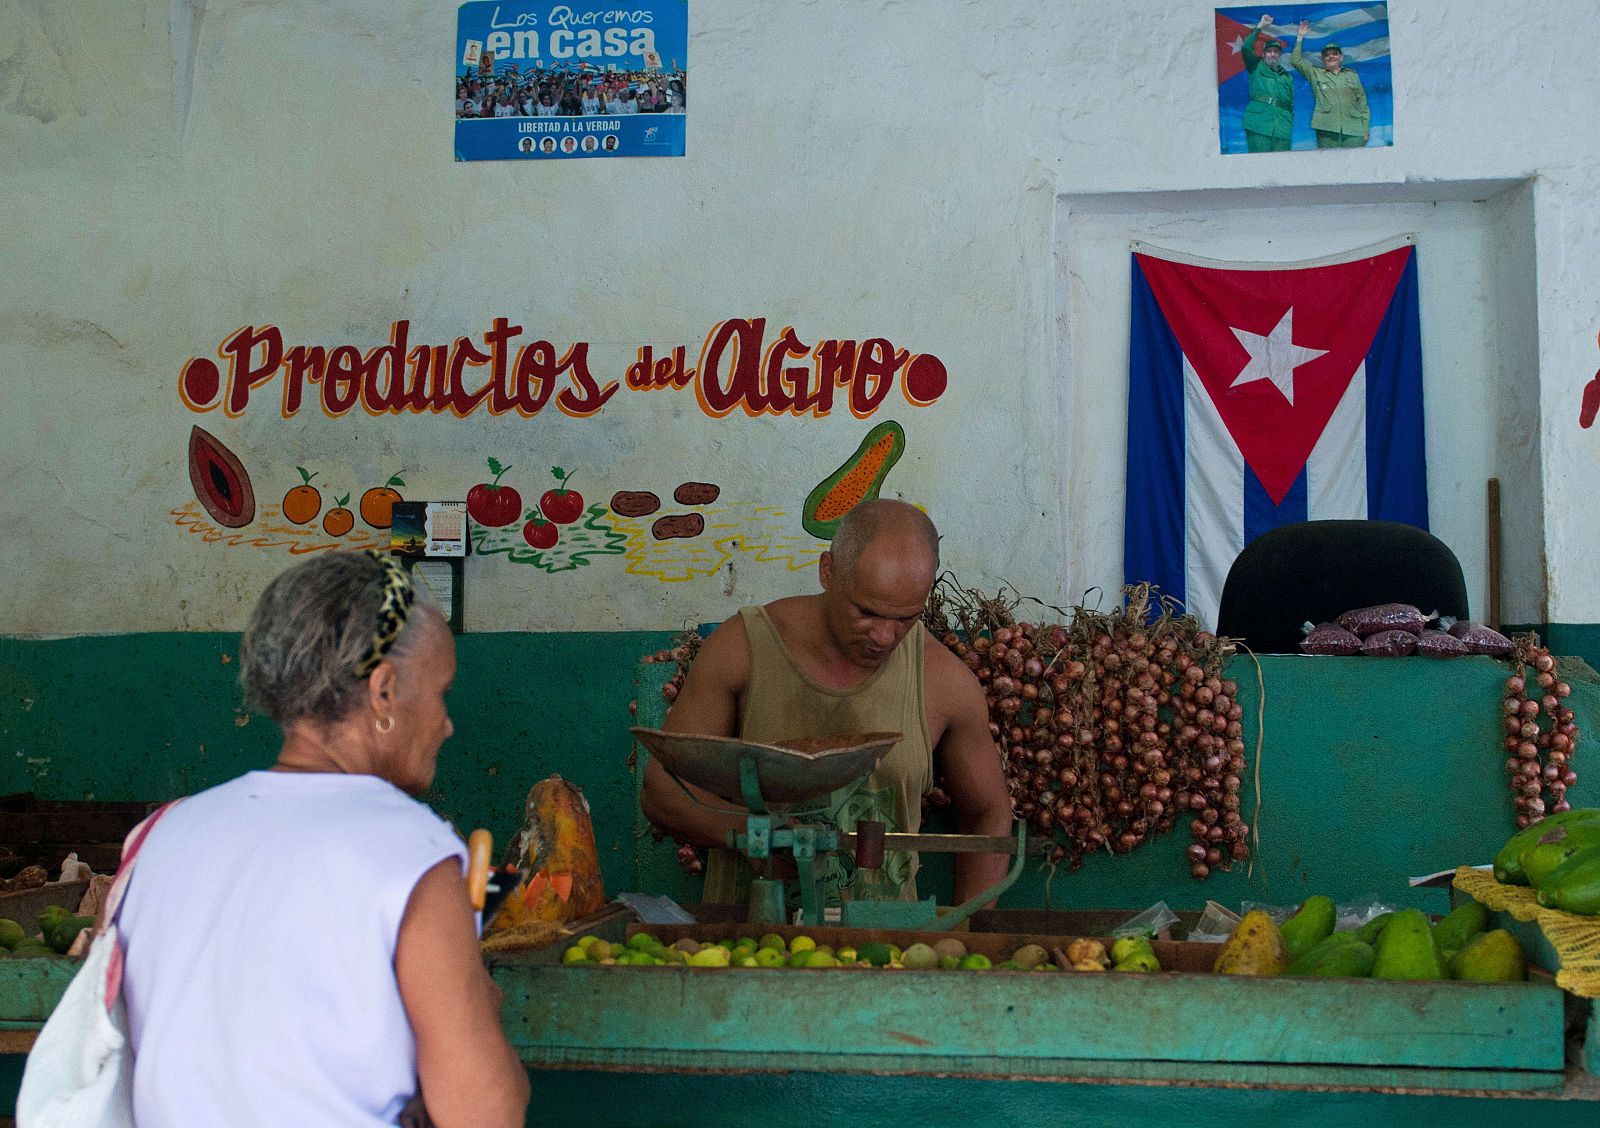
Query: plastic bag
[1439,644]
[1389,644]
[1148,924]
[1351,915]
[1480,639]
[74,870]
[1216,924]
[1365,621]
[1329,638]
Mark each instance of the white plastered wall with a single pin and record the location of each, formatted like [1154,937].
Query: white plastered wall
[177,168]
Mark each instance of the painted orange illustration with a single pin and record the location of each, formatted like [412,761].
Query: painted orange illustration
[339,521]
[377,504]
[302,504]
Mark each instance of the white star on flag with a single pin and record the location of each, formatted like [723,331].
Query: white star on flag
[1274,357]
[1237,45]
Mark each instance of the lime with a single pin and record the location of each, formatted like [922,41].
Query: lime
[773,940]
[976,961]
[575,954]
[643,942]
[748,961]
[949,963]
[770,957]
[813,958]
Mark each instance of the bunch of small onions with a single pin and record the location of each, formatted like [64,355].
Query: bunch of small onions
[1111,728]
[1541,736]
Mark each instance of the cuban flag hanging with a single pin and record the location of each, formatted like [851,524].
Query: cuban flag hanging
[1262,394]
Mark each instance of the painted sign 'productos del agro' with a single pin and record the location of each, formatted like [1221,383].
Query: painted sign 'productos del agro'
[529,514]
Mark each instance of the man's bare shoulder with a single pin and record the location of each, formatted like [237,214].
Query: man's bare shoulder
[949,686]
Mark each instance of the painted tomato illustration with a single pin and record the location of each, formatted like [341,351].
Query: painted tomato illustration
[490,503]
[561,505]
[540,533]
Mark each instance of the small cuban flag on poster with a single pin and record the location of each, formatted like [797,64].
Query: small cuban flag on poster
[1261,394]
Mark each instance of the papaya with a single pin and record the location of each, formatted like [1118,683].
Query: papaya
[1507,863]
[220,481]
[1368,933]
[1460,925]
[1255,948]
[1493,957]
[559,866]
[1407,949]
[1553,850]
[858,479]
[61,936]
[1309,926]
[1574,887]
[1348,958]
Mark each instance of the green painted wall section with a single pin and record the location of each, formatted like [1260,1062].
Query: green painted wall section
[1372,769]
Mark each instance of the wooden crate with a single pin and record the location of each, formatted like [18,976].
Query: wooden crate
[1182,1025]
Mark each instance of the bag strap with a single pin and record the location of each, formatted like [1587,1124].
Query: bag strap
[130,854]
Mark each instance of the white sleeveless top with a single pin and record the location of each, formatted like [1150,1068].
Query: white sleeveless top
[259,930]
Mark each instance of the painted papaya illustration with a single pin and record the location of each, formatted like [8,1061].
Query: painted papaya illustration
[220,480]
[858,479]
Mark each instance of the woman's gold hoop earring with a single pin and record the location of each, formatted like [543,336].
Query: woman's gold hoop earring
[385,725]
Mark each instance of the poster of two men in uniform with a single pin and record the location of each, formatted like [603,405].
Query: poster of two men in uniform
[1304,76]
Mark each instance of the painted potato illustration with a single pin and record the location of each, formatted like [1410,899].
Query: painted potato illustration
[634,503]
[220,481]
[377,504]
[490,503]
[680,525]
[302,504]
[696,493]
[337,522]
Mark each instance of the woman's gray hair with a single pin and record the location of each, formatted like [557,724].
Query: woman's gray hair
[300,655]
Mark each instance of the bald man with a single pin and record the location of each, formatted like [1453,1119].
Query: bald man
[854,658]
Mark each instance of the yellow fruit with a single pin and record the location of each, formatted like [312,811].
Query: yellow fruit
[802,944]
[574,954]
[773,940]
[770,957]
[1256,948]
[846,955]
[977,961]
[713,956]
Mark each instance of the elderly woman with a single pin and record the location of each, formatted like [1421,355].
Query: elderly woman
[299,944]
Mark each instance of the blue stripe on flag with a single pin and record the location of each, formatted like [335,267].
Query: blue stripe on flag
[1260,515]
[1153,520]
[1397,470]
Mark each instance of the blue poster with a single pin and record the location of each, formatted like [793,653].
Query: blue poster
[542,81]
[1304,76]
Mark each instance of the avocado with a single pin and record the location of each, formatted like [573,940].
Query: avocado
[1462,923]
[1493,957]
[1310,926]
[1407,949]
[1507,863]
[1336,957]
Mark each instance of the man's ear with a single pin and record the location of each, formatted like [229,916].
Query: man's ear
[825,569]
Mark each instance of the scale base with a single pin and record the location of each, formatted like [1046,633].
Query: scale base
[767,902]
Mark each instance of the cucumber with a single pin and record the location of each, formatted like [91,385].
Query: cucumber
[1507,863]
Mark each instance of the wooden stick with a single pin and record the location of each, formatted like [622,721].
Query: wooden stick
[1494,553]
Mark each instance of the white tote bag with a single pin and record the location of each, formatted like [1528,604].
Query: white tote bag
[80,1071]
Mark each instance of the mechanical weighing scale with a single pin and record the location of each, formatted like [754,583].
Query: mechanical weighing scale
[785,788]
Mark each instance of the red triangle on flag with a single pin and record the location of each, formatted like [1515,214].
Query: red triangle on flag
[1230,45]
[1320,319]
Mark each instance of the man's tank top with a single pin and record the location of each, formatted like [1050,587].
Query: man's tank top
[781,703]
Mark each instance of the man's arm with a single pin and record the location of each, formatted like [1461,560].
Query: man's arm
[707,705]
[1297,57]
[1366,111]
[1247,50]
[970,764]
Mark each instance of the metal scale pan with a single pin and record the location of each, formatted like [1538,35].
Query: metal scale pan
[789,773]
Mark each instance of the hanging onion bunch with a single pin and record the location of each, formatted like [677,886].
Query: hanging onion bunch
[1111,728]
[685,646]
[1541,736]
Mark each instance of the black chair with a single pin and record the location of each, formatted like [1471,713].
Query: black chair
[1316,570]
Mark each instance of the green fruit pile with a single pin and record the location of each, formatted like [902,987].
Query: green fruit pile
[57,930]
[1398,945]
[1560,857]
[772,950]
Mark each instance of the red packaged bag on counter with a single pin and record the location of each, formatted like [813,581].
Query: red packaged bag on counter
[1389,644]
[1365,621]
[1480,639]
[1439,644]
[1329,638]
